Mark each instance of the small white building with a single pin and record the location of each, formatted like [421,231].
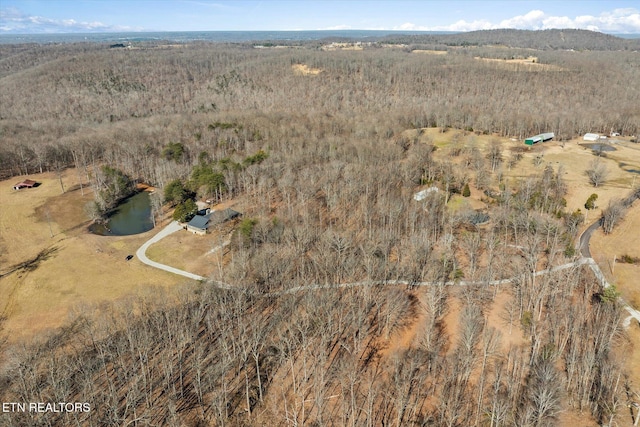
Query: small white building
[591,137]
[421,195]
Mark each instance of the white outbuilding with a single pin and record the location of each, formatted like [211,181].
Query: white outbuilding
[591,137]
[421,195]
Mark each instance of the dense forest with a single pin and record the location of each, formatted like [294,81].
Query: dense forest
[334,260]
[553,39]
[53,98]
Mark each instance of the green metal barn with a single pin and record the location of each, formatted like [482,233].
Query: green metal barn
[543,137]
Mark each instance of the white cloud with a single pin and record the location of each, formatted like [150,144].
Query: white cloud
[531,20]
[625,20]
[468,26]
[615,21]
[558,22]
[407,26]
[14,21]
[338,27]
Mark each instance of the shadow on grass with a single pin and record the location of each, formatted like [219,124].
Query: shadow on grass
[32,264]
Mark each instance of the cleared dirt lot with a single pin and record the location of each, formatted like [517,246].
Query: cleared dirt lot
[81,269]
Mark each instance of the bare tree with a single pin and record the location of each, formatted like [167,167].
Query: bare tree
[612,215]
[597,172]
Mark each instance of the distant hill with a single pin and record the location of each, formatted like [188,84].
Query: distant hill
[543,39]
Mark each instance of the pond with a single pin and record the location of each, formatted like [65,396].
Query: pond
[599,147]
[132,216]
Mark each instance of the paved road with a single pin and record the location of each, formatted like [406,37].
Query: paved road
[142,252]
[586,236]
[586,254]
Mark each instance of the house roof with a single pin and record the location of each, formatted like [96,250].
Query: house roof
[27,183]
[199,221]
[202,222]
[218,217]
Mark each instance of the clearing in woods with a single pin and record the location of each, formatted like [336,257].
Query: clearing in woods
[79,269]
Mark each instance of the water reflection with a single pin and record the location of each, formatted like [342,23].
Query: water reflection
[133,216]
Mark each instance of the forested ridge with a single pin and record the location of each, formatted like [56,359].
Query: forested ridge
[346,304]
[52,96]
[553,39]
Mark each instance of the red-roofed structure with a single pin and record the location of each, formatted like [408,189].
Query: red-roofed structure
[27,183]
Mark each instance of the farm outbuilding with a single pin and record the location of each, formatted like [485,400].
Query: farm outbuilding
[543,137]
[591,137]
[421,195]
[27,183]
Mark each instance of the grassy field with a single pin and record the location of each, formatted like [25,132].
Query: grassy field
[78,270]
[623,163]
[624,240]
[191,252]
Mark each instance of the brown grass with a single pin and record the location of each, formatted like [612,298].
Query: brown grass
[573,156]
[342,46]
[624,240]
[523,64]
[83,269]
[429,52]
[305,70]
[190,252]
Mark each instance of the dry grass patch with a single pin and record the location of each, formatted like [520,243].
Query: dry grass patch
[630,355]
[522,64]
[342,46]
[624,240]
[575,160]
[305,70]
[189,252]
[82,269]
[622,164]
[429,52]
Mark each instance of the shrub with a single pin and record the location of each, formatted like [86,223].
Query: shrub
[256,158]
[175,192]
[246,227]
[628,259]
[466,191]
[185,211]
[591,202]
[569,250]
[173,151]
[609,294]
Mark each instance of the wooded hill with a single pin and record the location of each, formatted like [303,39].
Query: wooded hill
[554,39]
[326,158]
[53,98]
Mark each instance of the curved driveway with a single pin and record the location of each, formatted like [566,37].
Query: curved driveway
[586,236]
[142,252]
[583,247]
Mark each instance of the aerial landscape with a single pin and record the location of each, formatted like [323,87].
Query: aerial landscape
[340,222]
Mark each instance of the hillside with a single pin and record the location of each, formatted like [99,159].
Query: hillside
[554,39]
[86,89]
[402,258]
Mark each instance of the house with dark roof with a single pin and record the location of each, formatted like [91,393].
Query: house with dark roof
[199,224]
[27,183]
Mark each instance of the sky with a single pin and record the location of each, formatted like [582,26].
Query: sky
[83,16]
